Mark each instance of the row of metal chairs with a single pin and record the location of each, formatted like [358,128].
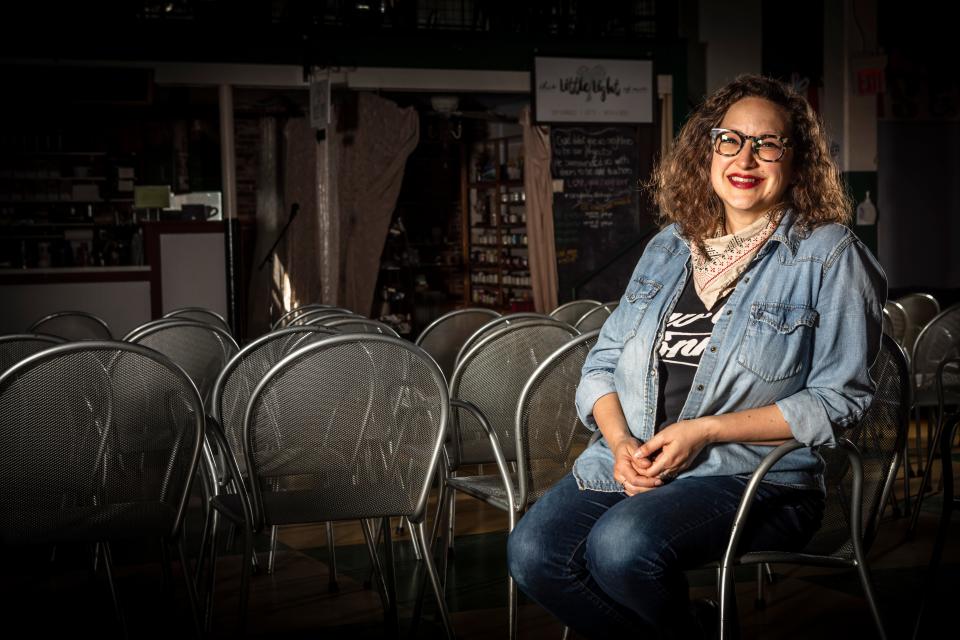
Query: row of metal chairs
[929,336]
[82,325]
[509,395]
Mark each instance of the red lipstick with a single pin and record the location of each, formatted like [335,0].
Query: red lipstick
[744,180]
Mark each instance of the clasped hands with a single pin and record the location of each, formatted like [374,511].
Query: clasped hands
[642,467]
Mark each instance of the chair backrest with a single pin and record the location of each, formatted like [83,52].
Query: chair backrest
[98,440]
[348,427]
[898,320]
[73,325]
[595,317]
[241,375]
[320,316]
[16,347]
[492,326]
[443,337]
[572,311]
[289,316]
[549,434]
[939,340]
[200,349]
[491,376]
[920,308]
[359,324]
[200,314]
[879,437]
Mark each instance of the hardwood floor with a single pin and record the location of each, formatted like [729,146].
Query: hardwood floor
[295,601]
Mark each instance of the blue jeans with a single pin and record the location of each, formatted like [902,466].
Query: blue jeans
[606,564]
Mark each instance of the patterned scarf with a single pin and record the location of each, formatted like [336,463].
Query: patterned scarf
[716,274]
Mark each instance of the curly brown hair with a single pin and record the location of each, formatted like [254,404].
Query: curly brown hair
[681,185]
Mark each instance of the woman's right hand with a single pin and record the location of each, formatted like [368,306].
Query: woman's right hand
[627,467]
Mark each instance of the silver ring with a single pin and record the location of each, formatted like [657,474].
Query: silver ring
[666,476]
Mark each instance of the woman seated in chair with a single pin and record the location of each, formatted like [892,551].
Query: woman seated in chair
[752,318]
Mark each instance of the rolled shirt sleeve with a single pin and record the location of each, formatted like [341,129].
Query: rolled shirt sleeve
[846,342]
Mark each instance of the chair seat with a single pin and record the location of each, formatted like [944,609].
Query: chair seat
[488,488]
[120,521]
[927,397]
[294,507]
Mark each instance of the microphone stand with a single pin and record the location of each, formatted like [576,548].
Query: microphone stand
[294,209]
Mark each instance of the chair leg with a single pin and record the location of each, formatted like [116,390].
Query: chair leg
[212,575]
[108,569]
[512,606]
[416,547]
[451,514]
[370,537]
[204,538]
[191,591]
[761,602]
[393,613]
[273,549]
[868,593]
[729,618]
[434,578]
[332,585]
[924,482]
[246,565]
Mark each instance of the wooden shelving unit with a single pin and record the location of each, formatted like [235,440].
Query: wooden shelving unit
[495,232]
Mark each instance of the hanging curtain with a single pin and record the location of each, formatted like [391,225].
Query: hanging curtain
[538,186]
[369,165]
[346,185]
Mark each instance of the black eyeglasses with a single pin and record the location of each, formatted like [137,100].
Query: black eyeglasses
[768,147]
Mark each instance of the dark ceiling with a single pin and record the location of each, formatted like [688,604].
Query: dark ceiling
[490,34]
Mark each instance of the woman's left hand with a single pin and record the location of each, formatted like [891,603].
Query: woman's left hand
[678,445]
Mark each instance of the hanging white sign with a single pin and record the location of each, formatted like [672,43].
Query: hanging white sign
[584,90]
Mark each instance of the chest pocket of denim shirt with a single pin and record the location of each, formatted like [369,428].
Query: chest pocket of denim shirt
[778,340]
[639,294]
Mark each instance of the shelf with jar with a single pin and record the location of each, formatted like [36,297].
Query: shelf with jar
[495,228]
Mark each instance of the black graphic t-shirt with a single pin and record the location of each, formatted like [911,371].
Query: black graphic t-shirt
[685,338]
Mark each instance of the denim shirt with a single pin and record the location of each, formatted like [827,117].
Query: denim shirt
[799,330]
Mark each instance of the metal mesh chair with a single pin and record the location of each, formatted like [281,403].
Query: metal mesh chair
[898,320]
[348,428]
[491,376]
[443,337]
[920,308]
[939,341]
[98,443]
[572,311]
[228,404]
[549,433]
[201,349]
[595,317]
[200,314]
[946,431]
[485,389]
[358,324]
[73,325]
[16,347]
[859,476]
[491,327]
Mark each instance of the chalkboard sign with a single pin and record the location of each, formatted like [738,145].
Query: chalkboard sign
[597,206]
